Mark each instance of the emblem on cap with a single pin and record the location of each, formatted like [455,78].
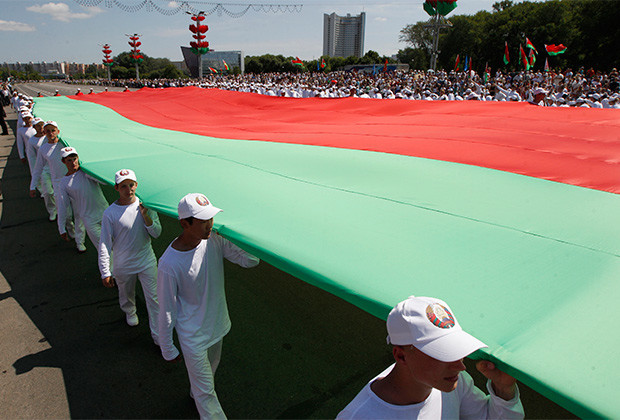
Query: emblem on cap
[202,200]
[124,172]
[440,316]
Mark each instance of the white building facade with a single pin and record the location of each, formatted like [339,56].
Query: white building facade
[343,36]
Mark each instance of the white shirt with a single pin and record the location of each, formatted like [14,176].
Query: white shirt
[85,196]
[190,290]
[49,154]
[465,402]
[32,150]
[23,135]
[126,237]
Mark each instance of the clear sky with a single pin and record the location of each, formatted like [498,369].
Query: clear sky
[63,30]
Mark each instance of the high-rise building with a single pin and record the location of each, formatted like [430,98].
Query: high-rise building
[343,36]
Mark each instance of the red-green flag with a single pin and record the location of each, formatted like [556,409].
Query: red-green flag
[528,44]
[487,72]
[225,65]
[506,55]
[456,62]
[213,70]
[385,66]
[524,60]
[323,64]
[532,58]
[553,49]
[297,62]
[546,64]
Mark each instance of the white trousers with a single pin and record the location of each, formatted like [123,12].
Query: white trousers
[201,364]
[88,227]
[69,219]
[47,191]
[127,295]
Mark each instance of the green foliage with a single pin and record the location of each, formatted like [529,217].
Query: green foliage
[589,28]
[277,63]
[150,68]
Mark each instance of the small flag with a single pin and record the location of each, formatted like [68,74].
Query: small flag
[506,55]
[212,70]
[466,66]
[553,49]
[526,63]
[323,63]
[456,62]
[546,64]
[487,72]
[225,65]
[532,58]
[297,62]
[528,44]
[385,66]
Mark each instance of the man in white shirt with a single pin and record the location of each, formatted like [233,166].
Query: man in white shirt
[83,194]
[23,135]
[126,230]
[49,155]
[190,286]
[428,378]
[45,184]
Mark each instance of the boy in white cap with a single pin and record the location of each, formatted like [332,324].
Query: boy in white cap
[190,286]
[84,195]
[45,184]
[428,378]
[49,154]
[126,231]
[23,135]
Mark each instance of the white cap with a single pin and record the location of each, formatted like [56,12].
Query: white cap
[124,174]
[429,325]
[51,123]
[67,151]
[37,121]
[198,206]
[26,114]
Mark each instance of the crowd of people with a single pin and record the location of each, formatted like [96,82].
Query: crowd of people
[581,88]
[184,291]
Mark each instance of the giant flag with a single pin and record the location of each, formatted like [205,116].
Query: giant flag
[506,210]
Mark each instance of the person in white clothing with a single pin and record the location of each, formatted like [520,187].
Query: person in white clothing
[23,135]
[428,378]
[190,286]
[49,154]
[126,230]
[45,184]
[85,197]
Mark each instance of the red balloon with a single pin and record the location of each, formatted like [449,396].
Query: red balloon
[138,44]
[200,18]
[194,18]
[192,28]
[107,51]
[199,36]
[203,28]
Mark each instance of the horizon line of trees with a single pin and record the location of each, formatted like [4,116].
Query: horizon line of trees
[588,28]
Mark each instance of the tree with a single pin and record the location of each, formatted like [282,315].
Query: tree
[417,35]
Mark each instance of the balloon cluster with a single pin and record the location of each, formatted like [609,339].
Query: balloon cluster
[199,46]
[134,42]
[441,7]
[107,61]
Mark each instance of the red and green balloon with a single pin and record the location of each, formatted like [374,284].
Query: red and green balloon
[199,46]
[441,7]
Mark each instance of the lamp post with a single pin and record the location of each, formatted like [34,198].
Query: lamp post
[199,46]
[107,61]
[438,9]
[136,57]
